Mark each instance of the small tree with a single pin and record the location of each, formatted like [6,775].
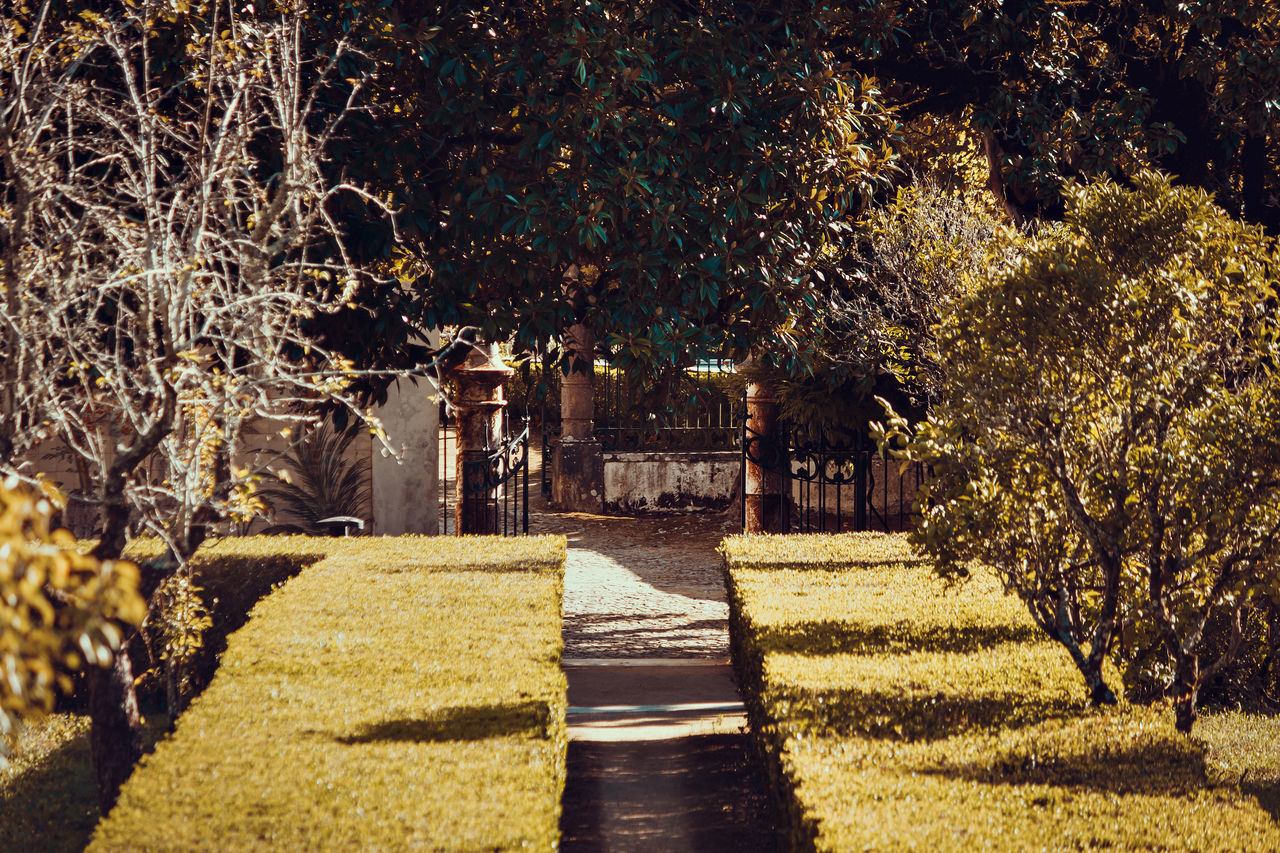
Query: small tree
[1108,438]
[872,333]
[167,228]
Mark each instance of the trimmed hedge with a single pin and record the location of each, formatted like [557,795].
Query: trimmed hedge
[400,693]
[233,574]
[894,713]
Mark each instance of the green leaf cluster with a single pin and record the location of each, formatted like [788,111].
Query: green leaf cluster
[1060,91]
[663,171]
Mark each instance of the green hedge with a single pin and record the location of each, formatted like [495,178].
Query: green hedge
[399,693]
[894,714]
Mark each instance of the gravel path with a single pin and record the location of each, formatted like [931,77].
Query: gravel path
[642,587]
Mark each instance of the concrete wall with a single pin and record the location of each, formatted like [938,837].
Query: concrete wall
[647,482]
[406,491]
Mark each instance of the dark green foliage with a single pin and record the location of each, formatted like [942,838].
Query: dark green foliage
[663,171]
[1067,90]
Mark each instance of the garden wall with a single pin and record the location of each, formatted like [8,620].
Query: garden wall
[636,482]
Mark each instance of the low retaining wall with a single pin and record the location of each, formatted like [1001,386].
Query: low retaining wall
[637,482]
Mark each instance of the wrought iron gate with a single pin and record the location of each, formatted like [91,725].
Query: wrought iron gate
[495,489]
[829,486]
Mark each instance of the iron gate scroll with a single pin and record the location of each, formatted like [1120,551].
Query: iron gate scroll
[831,485]
[495,489]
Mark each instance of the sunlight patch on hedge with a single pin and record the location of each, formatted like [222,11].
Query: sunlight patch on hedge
[897,713]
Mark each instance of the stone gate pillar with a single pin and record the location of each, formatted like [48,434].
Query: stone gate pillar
[764,459]
[479,407]
[577,462]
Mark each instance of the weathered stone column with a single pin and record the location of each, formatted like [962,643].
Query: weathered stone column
[406,491]
[479,411]
[577,462]
[577,402]
[763,462]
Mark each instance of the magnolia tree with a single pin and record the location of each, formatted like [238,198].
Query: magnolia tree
[166,230]
[1108,439]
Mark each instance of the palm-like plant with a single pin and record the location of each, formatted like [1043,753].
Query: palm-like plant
[321,483]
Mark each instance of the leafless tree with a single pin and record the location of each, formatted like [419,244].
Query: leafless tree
[166,229]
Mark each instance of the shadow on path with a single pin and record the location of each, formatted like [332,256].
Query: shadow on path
[703,789]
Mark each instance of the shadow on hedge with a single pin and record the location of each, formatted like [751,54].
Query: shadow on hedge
[1162,765]
[522,719]
[854,713]
[829,637]
[230,585]
[53,805]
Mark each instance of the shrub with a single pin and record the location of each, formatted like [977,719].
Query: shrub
[320,482]
[897,713]
[872,333]
[398,693]
[60,610]
[228,577]
[1107,438]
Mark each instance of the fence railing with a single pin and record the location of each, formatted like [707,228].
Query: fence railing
[495,489]
[831,485]
[707,415]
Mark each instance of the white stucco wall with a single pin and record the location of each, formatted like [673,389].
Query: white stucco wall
[636,482]
[406,491]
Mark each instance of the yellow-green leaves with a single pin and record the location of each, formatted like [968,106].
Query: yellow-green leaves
[1108,421]
[895,713]
[59,608]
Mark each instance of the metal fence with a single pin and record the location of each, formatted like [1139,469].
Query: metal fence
[495,489]
[706,415]
[832,485]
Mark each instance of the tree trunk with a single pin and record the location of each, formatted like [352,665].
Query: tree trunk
[1188,692]
[1099,692]
[115,733]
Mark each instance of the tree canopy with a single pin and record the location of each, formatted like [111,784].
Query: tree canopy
[666,172]
[1061,90]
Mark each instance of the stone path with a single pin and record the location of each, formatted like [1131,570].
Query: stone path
[657,755]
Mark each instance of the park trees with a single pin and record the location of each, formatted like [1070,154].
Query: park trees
[1107,434]
[167,228]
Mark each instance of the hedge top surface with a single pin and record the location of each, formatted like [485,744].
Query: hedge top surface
[385,553]
[816,550]
[903,714]
[398,693]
